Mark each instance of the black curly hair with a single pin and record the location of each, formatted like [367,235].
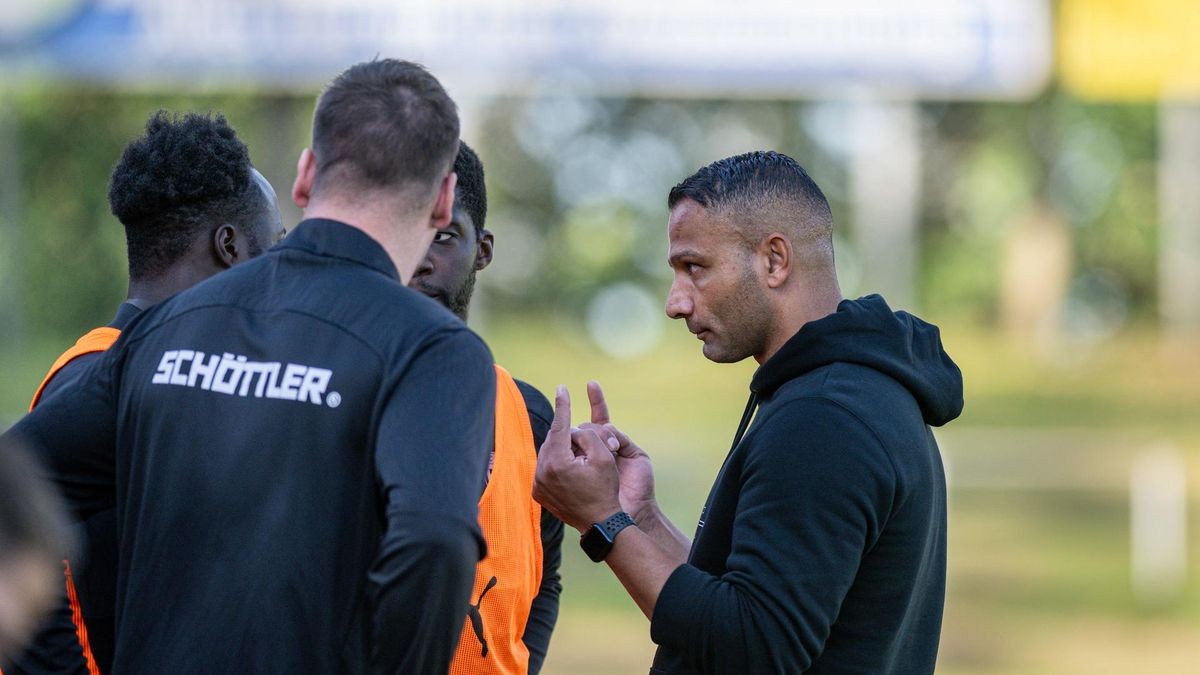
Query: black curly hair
[187,174]
[470,193]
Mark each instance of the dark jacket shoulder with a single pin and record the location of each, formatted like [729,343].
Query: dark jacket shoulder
[540,412]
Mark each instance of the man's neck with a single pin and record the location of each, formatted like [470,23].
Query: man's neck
[149,291]
[401,240]
[796,311]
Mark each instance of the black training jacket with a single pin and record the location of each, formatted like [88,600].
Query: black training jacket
[822,547]
[296,449]
[55,649]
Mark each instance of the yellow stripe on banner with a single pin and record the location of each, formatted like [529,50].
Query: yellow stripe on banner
[1130,50]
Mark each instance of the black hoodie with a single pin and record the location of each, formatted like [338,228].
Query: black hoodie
[822,547]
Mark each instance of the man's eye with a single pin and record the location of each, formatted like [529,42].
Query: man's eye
[692,268]
[443,237]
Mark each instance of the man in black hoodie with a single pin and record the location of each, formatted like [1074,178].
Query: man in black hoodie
[822,546]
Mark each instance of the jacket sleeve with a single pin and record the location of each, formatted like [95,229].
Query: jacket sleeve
[814,493]
[543,613]
[435,433]
[72,432]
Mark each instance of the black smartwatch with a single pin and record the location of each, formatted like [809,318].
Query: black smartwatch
[598,540]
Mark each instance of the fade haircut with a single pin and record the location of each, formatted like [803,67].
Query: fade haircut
[470,194]
[384,124]
[761,192]
[187,174]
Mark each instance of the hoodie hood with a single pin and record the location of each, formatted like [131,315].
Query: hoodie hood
[868,333]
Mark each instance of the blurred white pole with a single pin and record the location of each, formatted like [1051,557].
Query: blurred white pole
[885,179]
[1179,217]
[1158,521]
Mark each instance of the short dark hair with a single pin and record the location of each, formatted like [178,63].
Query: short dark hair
[747,185]
[470,193]
[185,175]
[32,517]
[384,123]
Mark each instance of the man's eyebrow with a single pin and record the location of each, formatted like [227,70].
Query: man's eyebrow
[675,257]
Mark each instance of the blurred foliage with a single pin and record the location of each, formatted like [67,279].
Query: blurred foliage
[71,251]
[578,184]
[1093,164]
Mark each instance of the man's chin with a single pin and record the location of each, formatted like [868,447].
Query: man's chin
[713,352]
[455,304]
[429,293]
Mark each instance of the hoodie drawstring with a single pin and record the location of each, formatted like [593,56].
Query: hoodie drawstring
[748,415]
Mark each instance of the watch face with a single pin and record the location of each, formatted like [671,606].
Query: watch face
[595,543]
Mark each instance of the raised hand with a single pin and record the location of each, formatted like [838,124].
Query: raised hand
[576,477]
[633,464]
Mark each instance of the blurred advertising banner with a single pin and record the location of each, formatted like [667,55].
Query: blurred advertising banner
[1130,50]
[775,48]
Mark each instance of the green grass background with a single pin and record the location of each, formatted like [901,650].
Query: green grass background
[1039,561]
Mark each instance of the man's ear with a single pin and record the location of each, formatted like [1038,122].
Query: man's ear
[225,246]
[443,204]
[777,252]
[306,174]
[483,253]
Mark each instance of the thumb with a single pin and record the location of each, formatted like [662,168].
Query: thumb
[626,447]
[592,446]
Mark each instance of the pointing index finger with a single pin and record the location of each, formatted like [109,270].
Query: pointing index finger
[558,439]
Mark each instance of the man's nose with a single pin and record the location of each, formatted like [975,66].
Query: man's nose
[424,269]
[679,304]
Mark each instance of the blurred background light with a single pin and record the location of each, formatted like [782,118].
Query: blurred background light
[1097,307]
[1084,176]
[625,320]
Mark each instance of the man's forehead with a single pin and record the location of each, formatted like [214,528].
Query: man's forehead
[460,216]
[691,225]
[682,227]
[684,214]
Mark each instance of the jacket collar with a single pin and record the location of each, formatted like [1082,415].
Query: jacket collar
[125,313]
[335,239]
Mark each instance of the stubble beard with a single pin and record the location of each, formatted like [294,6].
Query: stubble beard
[460,302]
[745,322]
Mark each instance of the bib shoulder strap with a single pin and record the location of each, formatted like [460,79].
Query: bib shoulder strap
[95,340]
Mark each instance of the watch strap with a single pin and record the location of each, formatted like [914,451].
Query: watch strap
[597,542]
[615,523]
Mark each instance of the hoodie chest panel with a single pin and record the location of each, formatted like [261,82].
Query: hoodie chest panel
[713,540]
